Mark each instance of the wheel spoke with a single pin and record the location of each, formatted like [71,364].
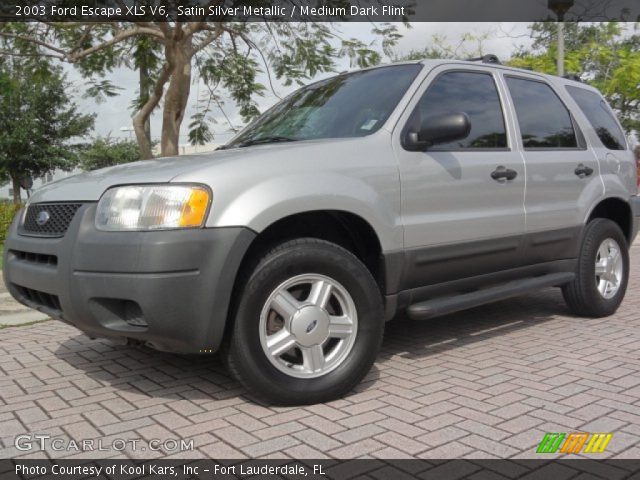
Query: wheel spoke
[313,358]
[320,293]
[340,327]
[602,286]
[601,268]
[285,304]
[617,262]
[603,251]
[280,342]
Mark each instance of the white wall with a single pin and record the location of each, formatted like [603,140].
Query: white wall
[6,190]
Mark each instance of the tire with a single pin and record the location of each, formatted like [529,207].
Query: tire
[588,295]
[303,290]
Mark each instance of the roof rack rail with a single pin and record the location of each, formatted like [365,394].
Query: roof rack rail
[572,76]
[489,58]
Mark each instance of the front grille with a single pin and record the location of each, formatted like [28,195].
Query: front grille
[30,257]
[49,219]
[39,298]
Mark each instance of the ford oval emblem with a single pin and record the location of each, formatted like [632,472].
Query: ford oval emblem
[42,217]
[311,326]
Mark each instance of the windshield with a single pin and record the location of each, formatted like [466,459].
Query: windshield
[348,105]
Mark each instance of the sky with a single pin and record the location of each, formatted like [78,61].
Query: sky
[114,114]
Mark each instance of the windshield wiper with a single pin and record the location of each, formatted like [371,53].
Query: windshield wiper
[267,139]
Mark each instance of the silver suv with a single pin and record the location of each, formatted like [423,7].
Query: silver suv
[414,189]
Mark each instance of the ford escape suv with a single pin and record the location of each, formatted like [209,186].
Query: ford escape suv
[414,189]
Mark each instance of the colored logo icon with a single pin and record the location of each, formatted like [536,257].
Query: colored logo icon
[574,443]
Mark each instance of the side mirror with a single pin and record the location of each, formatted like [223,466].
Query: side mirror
[442,129]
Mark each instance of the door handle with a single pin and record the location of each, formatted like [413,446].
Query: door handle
[501,173]
[583,171]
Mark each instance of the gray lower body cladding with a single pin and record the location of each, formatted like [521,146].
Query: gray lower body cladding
[170,289]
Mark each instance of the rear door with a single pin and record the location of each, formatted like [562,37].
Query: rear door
[458,220]
[562,175]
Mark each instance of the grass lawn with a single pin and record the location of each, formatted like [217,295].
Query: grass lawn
[1,254]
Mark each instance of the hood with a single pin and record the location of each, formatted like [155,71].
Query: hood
[268,158]
[89,186]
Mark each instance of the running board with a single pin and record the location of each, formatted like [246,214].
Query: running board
[450,304]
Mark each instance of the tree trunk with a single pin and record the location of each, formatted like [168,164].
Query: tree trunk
[15,182]
[144,95]
[142,125]
[176,97]
[139,122]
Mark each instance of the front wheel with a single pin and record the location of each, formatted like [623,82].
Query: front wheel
[603,271]
[308,325]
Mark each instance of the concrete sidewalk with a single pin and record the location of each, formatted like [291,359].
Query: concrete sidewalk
[13,313]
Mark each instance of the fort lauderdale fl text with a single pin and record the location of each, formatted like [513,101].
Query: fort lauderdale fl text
[251,469]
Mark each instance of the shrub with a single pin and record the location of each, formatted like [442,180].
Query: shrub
[7,212]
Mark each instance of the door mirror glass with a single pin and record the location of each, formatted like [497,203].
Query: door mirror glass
[441,129]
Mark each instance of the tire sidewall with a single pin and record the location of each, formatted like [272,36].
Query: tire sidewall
[310,258]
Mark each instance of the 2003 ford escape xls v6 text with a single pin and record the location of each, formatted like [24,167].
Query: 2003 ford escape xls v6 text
[417,189]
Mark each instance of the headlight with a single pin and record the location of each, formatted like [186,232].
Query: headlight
[152,207]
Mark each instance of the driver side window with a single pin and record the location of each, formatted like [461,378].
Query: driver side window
[473,93]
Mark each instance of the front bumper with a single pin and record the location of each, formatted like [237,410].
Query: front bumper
[169,289]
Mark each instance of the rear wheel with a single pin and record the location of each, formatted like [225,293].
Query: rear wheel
[603,271]
[308,325]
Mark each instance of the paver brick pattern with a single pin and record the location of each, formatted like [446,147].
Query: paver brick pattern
[484,383]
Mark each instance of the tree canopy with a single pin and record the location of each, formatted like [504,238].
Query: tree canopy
[38,121]
[605,55]
[229,57]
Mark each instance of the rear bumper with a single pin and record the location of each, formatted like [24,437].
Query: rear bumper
[110,284]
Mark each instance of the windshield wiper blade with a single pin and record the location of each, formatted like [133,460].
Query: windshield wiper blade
[267,139]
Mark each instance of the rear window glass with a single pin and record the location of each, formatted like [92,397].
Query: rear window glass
[600,116]
[544,120]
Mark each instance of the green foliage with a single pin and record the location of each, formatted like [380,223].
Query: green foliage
[469,45]
[106,152]
[199,131]
[38,121]
[101,90]
[7,212]
[603,54]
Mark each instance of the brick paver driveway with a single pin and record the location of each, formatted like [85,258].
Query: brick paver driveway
[484,383]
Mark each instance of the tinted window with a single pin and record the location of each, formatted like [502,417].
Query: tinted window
[544,120]
[472,93]
[350,105]
[600,116]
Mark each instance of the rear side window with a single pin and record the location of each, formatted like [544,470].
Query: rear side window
[544,120]
[472,93]
[600,116]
